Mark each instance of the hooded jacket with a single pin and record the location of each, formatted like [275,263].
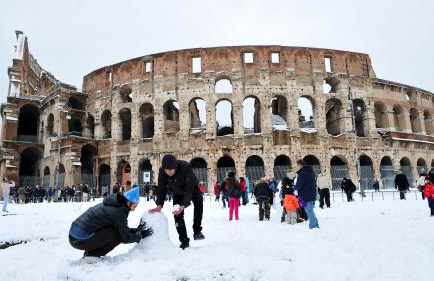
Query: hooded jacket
[262,189]
[111,213]
[183,182]
[306,184]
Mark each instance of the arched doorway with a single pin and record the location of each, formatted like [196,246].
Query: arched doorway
[29,163]
[421,164]
[338,171]
[282,165]
[46,178]
[387,172]
[147,115]
[200,169]
[104,179]
[314,163]
[124,174]
[87,160]
[255,168]
[407,169]
[60,176]
[224,165]
[366,172]
[28,123]
[145,172]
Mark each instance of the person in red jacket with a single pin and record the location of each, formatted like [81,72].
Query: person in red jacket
[202,187]
[217,192]
[429,193]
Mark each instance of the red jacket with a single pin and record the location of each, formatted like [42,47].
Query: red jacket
[202,188]
[243,186]
[216,189]
[429,190]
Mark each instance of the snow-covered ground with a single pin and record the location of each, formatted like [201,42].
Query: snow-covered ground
[370,240]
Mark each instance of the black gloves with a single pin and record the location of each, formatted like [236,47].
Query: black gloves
[146,232]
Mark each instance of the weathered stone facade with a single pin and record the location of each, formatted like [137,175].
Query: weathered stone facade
[132,113]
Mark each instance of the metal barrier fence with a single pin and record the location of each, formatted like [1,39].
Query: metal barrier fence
[407,171]
[255,173]
[338,172]
[29,180]
[372,195]
[222,173]
[367,177]
[280,172]
[387,176]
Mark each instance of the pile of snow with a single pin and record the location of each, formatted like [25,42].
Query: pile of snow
[309,130]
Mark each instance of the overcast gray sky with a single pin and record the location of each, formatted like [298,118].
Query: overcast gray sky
[72,38]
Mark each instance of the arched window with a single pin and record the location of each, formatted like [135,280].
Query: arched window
[251,115]
[50,125]
[415,121]
[147,116]
[428,121]
[171,114]
[29,163]
[279,111]
[398,118]
[28,123]
[255,168]
[126,94]
[359,108]
[224,118]
[125,118]
[334,115]
[381,120]
[197,113]
[305,113]
[106,121]
[223,86]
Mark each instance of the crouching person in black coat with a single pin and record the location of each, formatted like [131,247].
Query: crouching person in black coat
[177,177]
[102,227]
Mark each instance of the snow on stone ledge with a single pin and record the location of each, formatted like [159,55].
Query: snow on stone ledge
[309,130]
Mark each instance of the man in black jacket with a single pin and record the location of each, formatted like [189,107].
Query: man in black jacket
[306,188]
[264,196]
[102,227]
[349,188]
[177,177]
[401,183]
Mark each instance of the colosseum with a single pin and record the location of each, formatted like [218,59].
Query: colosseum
[253,109]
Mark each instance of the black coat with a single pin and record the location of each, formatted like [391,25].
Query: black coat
[348,186]
[234,188]
[401,182]
[183,182]
[111,213]
[262,190]
[306,184]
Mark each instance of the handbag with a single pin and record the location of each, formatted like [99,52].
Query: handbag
[301,202]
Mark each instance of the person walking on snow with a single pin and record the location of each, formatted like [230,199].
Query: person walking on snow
[263,196]
[306,188]
[177,176]
[217,192]
[6,189]
[401,183]
[429,193]
[103,227]
[323,183]
[349,188]
[234,194]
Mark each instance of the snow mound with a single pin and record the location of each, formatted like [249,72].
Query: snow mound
[157,248]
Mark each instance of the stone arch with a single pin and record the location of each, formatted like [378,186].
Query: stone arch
[60,176]
[279,111]
[200,169]
[29,162]
[387,172]
[146,112]
[334,115]
[428,121]
[125,123]
[407,169]
[338,171]
[398,118]
[415,120]
[360,123]
[171,114]
[306,112]
[282,165]
[106,121]
[145,166]
[126,94]
[76,102]
[46,177]
[197,113]
[28,123]
[123,174]
[254,168]
[50,125]
[223,85]
[330,85]
[251,122]
[75,127]
[314,163]
[104,179]
[225,164]
[421,164]
[90,126]
[224,117]
[366,172]
[87,160]
[380,112]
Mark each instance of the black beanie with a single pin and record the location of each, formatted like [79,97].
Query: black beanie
[169,162]
[231,174]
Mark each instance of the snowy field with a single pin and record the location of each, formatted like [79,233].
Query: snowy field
[370,240]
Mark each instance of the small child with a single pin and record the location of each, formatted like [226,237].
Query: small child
[429,193]
[290,205]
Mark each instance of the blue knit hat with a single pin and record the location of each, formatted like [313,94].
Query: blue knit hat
[132,195]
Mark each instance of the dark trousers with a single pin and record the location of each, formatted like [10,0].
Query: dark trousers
[197,200]
[431,205]
[264,208]
[225,199]
[217,198]
[99,244]
[402,195]
[349,196]
[324,195]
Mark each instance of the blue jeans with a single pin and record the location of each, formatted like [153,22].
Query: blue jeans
[313,221]
[5,200]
